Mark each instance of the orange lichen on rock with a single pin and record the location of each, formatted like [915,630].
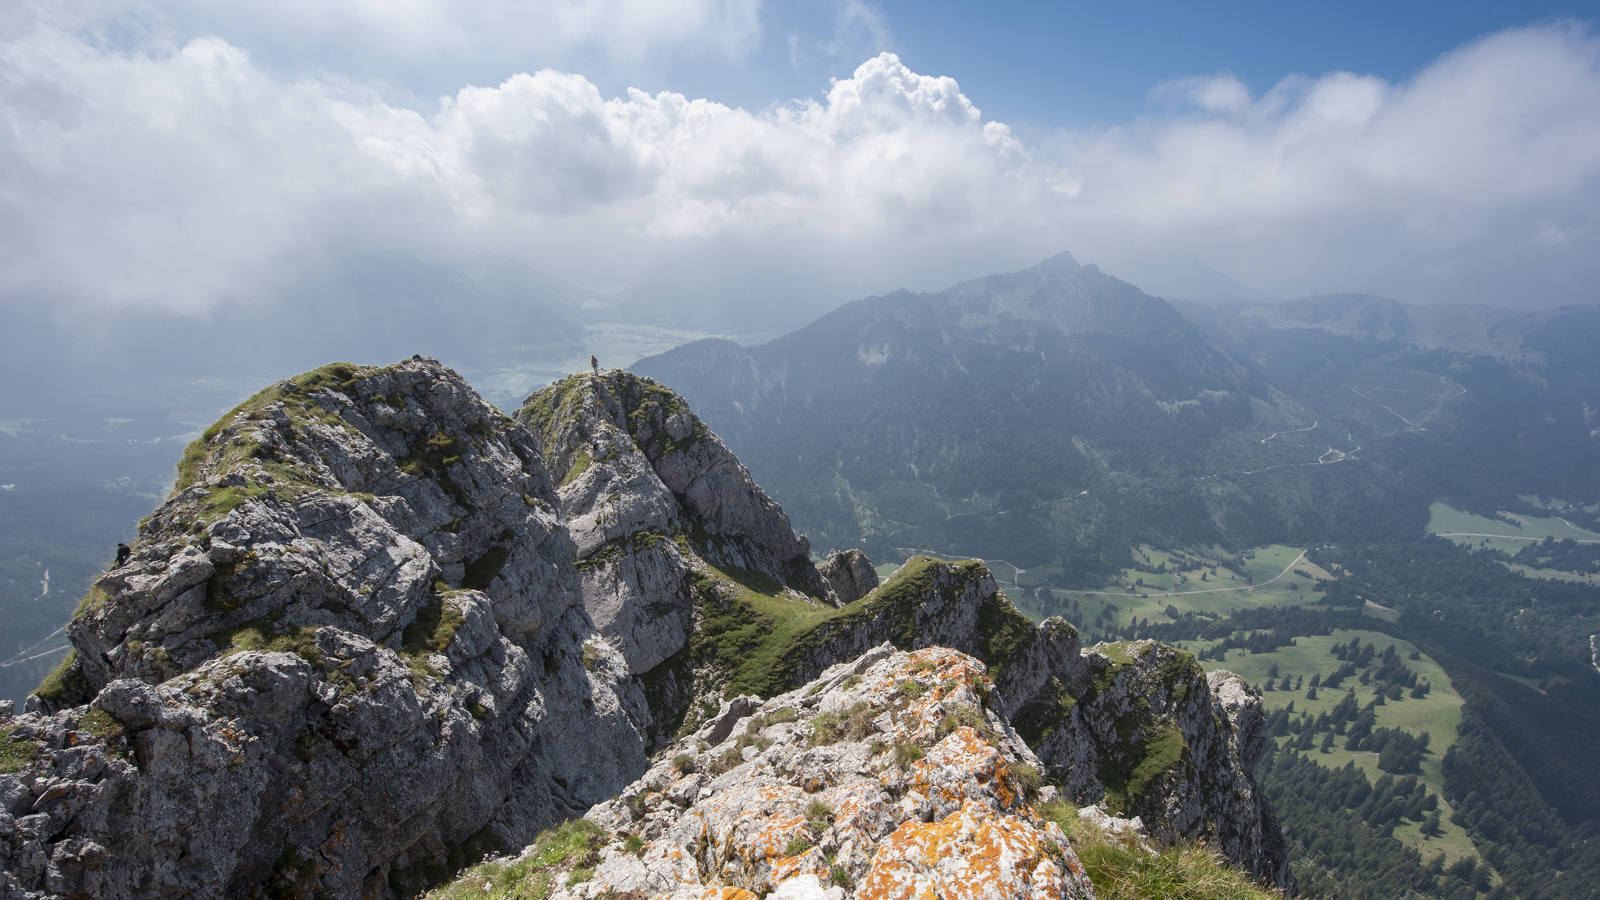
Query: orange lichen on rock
[712,892]
[974,853]
[888,776]
[963,766]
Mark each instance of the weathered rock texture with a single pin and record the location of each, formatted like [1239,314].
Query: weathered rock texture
[889,777]
[1137,726]
[1140,728]
[381,628]
[632,459]
[670,530]
[850,574]
[351,641]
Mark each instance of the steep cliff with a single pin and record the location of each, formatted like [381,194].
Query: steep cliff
[351,642]
[674,539]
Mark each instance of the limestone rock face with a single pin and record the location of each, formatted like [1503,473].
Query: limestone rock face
[1148,734]
[1136,726]
[665,520]
[887,777]
[352,639]
[850,574]
[632,459]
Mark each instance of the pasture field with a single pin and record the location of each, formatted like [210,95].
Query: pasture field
[1558,505]
[1482,532]
[1438,713]
[1555,574]
[1468,528]
[1194,580]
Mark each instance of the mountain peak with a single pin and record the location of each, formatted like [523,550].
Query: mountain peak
[369,638]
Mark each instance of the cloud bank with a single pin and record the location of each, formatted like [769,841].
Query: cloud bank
[184,175]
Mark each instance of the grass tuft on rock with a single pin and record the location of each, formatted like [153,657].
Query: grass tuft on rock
[66,686]
[100,724]
[1124,870]
[568,852]
[430,632]
[14,754]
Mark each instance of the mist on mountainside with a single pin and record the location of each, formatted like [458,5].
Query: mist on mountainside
[101,403]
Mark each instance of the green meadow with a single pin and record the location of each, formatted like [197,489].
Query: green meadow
[1477,531]
[1480,531]
[1438,713]
[1194,580]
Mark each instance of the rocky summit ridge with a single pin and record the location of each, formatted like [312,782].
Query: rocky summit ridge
[381,629]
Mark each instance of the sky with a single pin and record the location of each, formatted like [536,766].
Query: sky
[189,157]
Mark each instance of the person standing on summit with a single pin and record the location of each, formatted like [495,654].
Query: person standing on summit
[594,364]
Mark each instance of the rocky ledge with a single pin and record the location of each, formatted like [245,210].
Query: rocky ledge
[381,629]
[891,776]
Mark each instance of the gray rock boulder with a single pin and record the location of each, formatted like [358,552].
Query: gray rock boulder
[850,574]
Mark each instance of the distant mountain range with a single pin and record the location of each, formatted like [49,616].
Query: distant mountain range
[1050,417]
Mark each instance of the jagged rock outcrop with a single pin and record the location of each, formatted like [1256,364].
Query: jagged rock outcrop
[1136,726]
[1140,728]
[380,628]
[666,521]
[890,776]
[850,574]
[631,458]
[350,641]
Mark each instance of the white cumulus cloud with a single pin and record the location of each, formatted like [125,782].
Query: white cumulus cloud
[176,174]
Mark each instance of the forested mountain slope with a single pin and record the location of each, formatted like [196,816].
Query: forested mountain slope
[1050,417]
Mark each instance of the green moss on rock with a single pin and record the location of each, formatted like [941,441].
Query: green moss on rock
[1037,720]
[1130,779]
[263,635]
[100,724]
[1004,634]
[580,464]
[15,754]
[65,686]
[760,635]
[431,632]
[565,852]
